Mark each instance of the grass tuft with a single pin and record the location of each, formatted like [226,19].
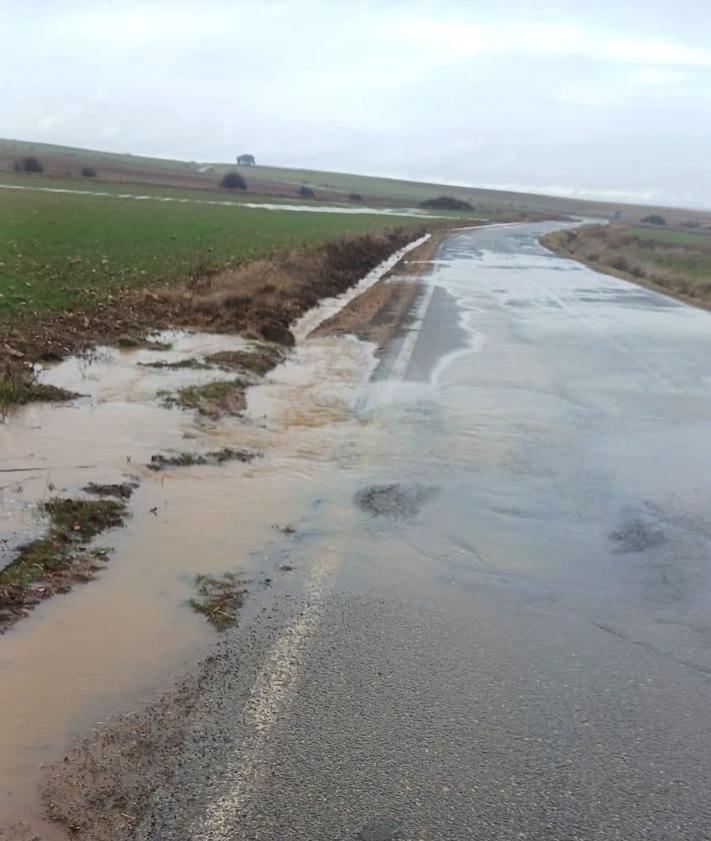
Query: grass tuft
[220,397]
[72,521]
[258,361]
[18,392]
[219,599]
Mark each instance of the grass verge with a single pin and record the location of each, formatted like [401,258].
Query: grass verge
[677,263]
[258,361]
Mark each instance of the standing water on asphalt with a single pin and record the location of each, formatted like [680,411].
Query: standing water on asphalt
[540,429]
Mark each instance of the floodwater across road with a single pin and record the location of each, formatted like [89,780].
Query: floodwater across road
[504,542]
[506,631]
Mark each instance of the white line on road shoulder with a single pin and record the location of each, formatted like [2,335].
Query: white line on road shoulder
[269,699]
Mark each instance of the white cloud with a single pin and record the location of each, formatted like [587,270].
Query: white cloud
[458,40]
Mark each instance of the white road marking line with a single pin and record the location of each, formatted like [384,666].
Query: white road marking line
[272,690]
[269,700]
[399,367]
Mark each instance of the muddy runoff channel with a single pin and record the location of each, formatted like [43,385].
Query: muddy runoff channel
[103,647]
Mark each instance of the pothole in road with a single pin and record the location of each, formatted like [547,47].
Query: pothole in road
[394,501]
[637,536]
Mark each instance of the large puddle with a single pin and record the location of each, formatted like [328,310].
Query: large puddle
[98,649]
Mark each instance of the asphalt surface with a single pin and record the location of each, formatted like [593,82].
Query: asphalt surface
[504,626]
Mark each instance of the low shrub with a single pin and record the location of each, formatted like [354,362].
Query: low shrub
[30,164]
[446,203]
[233,181]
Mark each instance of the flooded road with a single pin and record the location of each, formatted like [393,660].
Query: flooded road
[564,417]
[498,622]
[506,625]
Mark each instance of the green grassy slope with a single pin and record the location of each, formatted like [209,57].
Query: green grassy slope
[63,161]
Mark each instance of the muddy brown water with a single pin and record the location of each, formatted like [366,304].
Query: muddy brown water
[80,657]
[98,650]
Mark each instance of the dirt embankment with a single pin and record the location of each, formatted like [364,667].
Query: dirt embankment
[680,270]
[377,314]
[264,298]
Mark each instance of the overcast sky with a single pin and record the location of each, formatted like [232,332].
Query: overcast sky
[601,99]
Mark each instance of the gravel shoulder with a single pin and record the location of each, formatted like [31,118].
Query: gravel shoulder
[378,314]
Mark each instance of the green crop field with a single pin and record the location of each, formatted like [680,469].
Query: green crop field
[55,246]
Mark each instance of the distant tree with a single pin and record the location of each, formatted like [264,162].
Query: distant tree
[31,164]
[306,192]
[246,160]
[233,181]
[654,219]
[355,197]
[88,172]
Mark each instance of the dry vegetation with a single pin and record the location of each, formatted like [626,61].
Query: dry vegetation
[675,262]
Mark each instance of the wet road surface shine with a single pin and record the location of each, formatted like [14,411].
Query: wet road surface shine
[525,653]
[504,544]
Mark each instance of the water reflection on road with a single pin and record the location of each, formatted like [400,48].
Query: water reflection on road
[545,439]
[565,421]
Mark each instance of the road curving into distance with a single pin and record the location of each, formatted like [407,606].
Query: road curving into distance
[502,627]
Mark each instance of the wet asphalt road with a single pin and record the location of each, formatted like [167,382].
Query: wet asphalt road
[504,626]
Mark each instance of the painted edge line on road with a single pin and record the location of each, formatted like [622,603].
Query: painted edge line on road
[269,700]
